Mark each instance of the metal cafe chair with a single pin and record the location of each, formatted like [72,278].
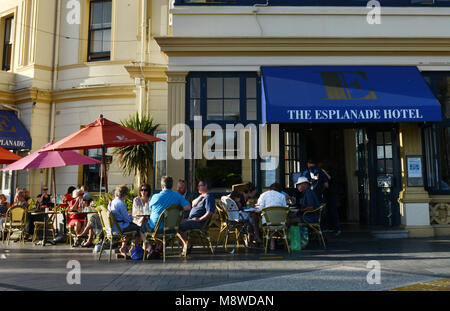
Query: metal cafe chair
[231,223]
[107,219]
[203,233]
[172,217]
[15,221]
[315,226]
[276,224]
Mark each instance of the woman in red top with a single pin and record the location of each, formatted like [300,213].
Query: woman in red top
[77,205]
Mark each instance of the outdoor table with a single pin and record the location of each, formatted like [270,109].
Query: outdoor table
[44,237]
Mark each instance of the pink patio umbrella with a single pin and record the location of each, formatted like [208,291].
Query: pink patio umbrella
[50,159]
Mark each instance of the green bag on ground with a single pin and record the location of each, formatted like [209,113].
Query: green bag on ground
[295,238]
[304,236]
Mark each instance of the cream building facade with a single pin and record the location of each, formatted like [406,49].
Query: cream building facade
[212,40]
[72,60]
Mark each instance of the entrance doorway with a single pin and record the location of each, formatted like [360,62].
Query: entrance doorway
[363,161]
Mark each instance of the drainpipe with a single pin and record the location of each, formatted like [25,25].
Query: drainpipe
[57,30]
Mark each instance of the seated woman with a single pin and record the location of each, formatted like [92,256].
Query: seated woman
[77,204]
[4,206]
[141,207]
[93,228]
[119,210]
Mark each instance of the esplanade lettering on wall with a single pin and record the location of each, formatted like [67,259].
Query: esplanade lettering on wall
[346,94]
[354,114]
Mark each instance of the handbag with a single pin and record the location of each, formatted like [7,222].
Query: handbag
[137,253]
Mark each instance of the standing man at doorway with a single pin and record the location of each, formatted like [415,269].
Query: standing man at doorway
[317,177]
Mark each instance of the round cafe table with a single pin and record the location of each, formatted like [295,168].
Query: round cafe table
[44,234]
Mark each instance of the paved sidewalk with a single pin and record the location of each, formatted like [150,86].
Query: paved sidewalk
[343,266]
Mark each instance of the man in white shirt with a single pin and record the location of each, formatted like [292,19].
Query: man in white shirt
[273,197]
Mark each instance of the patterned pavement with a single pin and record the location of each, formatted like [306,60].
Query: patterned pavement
[342,266]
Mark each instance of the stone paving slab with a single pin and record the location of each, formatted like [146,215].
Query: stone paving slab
[342,266]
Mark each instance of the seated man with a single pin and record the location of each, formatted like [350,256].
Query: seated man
[273,197]
[189,196]
[203,207]
[309,201]
[163,200]
[44,199]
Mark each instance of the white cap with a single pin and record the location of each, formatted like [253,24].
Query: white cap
[302,180]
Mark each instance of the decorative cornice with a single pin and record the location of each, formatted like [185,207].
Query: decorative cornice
[94,64]
[176,76]
[7,97]
[283,46]
[91,93]
[33,95]
[149,72]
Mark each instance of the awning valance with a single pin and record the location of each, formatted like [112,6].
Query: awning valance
[329,94]
[13,134]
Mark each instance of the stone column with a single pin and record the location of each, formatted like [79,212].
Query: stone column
[414,201]
[176,114]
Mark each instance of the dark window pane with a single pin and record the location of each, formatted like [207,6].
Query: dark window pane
[251,87]
[214,109]
[195,88]
[107,11]
[215,88]
[380,140]
[106,40]
[231,87]
[195,108]
[389,167]
[444,135]
[231,109]
[97,15]
[251,109]
[380,167]
[387,138]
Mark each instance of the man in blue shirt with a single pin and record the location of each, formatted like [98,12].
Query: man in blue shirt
[203,207]
[163,200]
[309,201]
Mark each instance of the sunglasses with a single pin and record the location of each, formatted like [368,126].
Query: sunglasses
[44,189]
[201,185]
[144,189]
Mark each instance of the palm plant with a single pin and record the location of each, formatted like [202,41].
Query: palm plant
[138,159]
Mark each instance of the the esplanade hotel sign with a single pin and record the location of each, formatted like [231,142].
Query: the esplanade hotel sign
[346,94]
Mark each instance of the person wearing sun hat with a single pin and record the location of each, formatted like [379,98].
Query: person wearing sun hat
[308,201]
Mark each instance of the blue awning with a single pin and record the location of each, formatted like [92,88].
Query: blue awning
[330,94]
[13,134]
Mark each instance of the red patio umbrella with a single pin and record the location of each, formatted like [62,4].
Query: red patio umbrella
[50,160]
[102,133]
[7,157]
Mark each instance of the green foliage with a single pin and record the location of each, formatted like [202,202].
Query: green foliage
[103,199]
[130,198]
[138,159]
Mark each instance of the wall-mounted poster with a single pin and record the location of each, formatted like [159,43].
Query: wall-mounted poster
[414,171]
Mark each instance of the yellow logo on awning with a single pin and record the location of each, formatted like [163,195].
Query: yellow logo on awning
[6,125]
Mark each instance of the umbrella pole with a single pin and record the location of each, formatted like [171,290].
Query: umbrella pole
[104,168]
[55,196]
